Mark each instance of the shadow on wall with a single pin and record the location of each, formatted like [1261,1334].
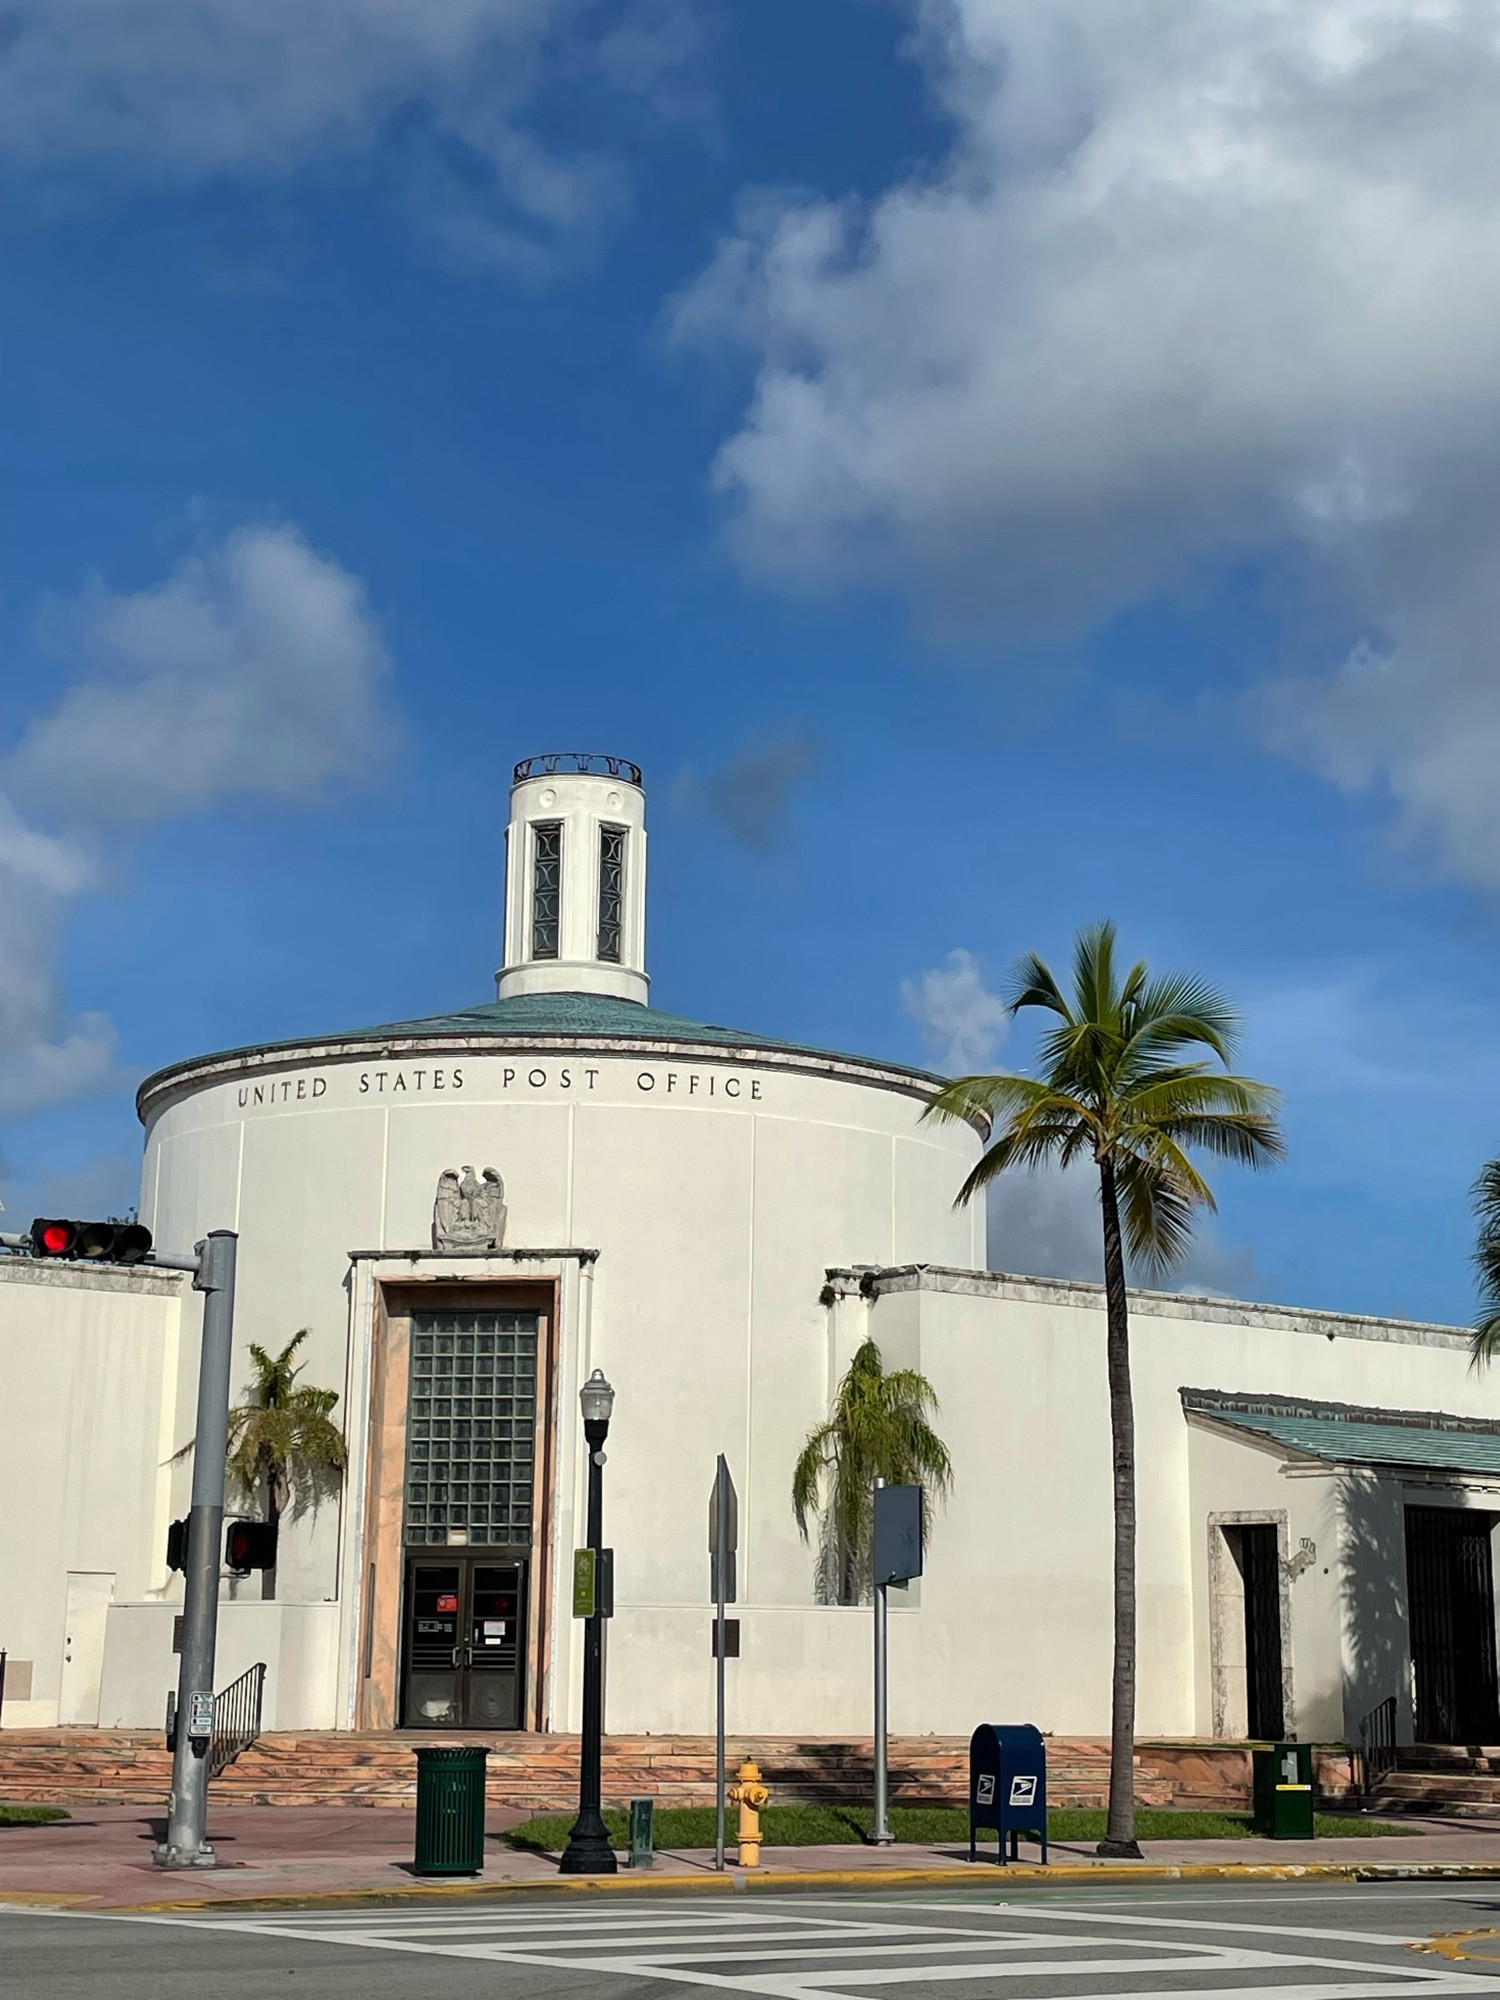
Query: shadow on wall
[1372,1589]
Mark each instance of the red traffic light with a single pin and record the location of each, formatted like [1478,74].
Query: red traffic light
[249,1545]
[53,1238]
[95,1242]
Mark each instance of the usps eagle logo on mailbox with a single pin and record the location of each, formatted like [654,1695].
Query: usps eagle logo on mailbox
[984,1791]
[1022,1791]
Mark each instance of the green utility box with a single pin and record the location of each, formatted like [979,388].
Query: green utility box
[1283,1794]
[450,1811]
[642,1833]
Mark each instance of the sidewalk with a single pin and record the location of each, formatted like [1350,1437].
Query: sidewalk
[100,1858]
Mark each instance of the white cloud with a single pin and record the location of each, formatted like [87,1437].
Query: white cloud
[185,90]
[1196,279]
[44,1056]
[255,670]
[962,1022]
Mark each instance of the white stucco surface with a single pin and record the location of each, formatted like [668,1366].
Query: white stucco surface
[89,1360]
[718,1221]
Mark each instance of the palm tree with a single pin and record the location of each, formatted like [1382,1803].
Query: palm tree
[878,1430]
[284,1436]
[1116,1086]
[1486,1344]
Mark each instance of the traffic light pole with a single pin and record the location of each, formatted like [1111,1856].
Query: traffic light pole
[187,1844]
[881,1835]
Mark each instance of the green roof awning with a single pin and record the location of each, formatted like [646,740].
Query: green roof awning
[1345,1434]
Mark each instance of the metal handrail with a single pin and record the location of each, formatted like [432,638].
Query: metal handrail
[585,763]
[236,1718]
[1377,1744]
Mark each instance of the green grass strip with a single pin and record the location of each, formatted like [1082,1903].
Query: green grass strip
[30,1815]
[927,1826]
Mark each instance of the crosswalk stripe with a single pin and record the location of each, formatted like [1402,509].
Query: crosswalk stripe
[1079,1966]
[851,1949]
[1032,1911]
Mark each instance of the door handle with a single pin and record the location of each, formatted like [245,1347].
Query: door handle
[461,1657]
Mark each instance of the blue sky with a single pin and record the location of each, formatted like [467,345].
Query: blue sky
[991,468]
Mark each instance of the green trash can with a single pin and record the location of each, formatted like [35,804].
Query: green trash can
[450,1810]
[1283,1791]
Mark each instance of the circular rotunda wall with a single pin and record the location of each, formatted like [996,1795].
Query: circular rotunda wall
[684,1187]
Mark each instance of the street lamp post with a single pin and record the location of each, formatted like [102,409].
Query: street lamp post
[588,1851]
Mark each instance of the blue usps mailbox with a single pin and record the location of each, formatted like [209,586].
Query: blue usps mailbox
[1007,1784]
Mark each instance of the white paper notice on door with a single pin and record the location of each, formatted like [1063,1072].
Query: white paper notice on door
[494,1631]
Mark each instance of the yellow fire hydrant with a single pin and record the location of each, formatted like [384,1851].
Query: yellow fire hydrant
[749,1795]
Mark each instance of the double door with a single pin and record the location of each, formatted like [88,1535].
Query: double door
[464,1637]
[1451,1605]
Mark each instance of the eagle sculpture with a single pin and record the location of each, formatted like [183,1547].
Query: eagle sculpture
[468,1214]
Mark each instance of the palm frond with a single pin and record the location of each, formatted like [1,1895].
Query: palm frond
[1052,1128]
[1157,1211]
[1033,984]
[1486,1203]
[283,1439]
[879,1429]
[1096,993]
[1168,1088]
[1178,1009]
[1001,1094]
[1248,1139]
[1116,1080]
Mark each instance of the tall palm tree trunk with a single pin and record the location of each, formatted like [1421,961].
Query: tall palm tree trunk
[1119,1835]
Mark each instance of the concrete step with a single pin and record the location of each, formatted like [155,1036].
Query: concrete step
[1449,1757]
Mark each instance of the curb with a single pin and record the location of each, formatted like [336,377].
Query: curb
[739,1882]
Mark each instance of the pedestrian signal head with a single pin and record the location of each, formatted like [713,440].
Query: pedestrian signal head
[249,1545]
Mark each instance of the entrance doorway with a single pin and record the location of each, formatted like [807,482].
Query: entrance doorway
[464,1634]
[1451,1605]
[470,1509]
[90,1593]
[1257,1557]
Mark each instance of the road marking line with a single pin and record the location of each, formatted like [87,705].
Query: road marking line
[821,1981]
[677,1949]
[811,1940]
[846,1950]
[1035,1911]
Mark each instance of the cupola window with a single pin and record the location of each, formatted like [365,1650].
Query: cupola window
[611,892]
[546,886]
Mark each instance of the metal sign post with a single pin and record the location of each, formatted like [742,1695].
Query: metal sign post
[723,1542]
[187,1844]
[896,1548]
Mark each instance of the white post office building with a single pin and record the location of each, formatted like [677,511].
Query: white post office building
[472,1212]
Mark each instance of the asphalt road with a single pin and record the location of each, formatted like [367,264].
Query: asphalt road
[1281,1941]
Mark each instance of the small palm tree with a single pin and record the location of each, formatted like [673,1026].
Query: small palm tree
[1115,1088]
[878,1430]
[284,1437]
[1486,1197]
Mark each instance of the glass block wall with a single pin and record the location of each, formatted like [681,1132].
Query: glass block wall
[471,1426]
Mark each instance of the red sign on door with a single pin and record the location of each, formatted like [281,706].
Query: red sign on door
[446,1603]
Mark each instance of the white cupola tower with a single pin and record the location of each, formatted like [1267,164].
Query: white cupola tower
[575,878]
